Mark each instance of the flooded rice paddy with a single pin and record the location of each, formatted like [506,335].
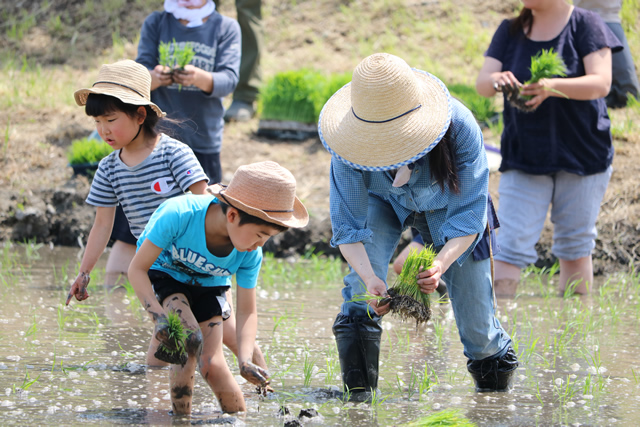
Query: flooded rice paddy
[84,364]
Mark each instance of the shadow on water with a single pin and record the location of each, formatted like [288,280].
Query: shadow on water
[84,364]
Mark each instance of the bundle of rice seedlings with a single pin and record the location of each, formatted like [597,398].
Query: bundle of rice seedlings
[85,154]
[291,102]
[175,56]
[174,353]
[546,64]
[406,298]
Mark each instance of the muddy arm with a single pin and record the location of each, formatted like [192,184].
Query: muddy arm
[139,277]
[98,239]
[246,327]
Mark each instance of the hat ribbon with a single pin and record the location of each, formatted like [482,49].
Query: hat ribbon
[388,120]
[263,210]
[119,84]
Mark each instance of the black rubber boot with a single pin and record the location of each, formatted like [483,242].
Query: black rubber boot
[358,342]
[494,374]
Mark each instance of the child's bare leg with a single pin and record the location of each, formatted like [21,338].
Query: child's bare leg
[214,368]
[182,378]
[118,262]
[229,338]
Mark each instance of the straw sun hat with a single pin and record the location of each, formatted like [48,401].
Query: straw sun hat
[265,190]
[126,80]
[390,115]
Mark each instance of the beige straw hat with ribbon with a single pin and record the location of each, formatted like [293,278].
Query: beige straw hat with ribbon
[390,115]
[126,80]
[265,190]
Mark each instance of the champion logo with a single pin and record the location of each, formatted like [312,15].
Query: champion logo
[189,172]
[162,185]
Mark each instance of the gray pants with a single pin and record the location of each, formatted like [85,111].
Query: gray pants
[624,77]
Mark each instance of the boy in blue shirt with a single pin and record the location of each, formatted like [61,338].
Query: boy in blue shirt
[186,256]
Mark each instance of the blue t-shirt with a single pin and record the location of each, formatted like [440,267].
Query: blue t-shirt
[561,134]
[177,226]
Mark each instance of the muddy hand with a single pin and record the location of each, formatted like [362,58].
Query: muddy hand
[79,287]
[254,374]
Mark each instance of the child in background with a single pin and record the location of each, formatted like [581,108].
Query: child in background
[194,94]
[186,256]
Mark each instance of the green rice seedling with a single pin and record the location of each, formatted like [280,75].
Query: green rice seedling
[405,297]
[564,391]
[447,417]
[177,336]
[427,381]
[33,328]
[333,365]
[544,65]
[307,368]
[62,318]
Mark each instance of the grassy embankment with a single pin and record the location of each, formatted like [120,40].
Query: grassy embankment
[50,49]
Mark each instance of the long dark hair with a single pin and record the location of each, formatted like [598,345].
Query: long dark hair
[100,104]
[522,23]
[442,162]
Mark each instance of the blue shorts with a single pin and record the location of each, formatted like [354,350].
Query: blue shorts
[524,203]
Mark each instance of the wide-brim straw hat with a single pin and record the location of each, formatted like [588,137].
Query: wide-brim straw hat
[126,80]
[390,115]
[265,190]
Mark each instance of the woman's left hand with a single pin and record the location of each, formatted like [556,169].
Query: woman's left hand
[540,91]
[254,374]
[428,279]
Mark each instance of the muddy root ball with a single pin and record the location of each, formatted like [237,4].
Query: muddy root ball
[513,96]
[407,308]
[173,357]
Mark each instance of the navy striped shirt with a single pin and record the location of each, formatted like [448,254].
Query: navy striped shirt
[168,171]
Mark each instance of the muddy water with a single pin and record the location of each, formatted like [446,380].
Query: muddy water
[83,365]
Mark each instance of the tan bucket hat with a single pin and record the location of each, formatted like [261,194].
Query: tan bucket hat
[390,115]
[126,80]
[265,190]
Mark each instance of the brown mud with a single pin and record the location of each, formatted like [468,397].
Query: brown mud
[407,308]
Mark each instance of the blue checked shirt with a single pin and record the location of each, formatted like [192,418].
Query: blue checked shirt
[448,215]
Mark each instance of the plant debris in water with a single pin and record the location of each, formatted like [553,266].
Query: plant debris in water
[544,65]
[406,298]
[447,417]
[177,353]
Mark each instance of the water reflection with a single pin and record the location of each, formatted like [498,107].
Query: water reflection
[83,364]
